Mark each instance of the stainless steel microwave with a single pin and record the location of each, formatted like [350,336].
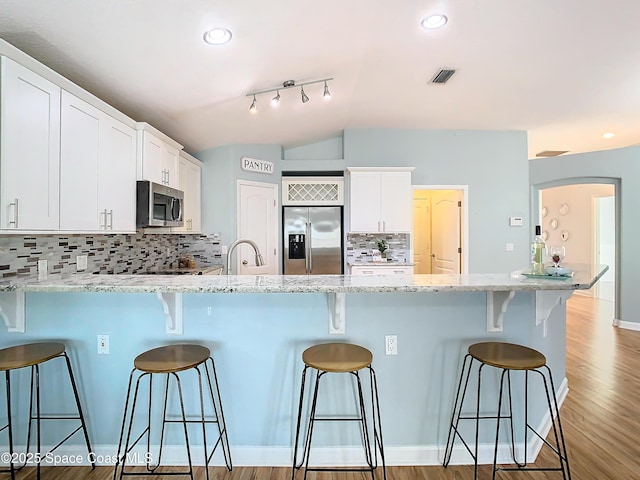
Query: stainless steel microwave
[158,205]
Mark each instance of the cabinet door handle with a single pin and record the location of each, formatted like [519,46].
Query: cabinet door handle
[110,219]
[168,176]
[384,226]
[367,272]
[14,204]
[103,224]
[379,226]
[399,271]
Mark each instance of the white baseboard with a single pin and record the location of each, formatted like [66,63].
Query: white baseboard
[422,455]
[626,325]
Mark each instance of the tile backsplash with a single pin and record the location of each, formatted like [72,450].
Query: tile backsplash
[360,245]
[117,253]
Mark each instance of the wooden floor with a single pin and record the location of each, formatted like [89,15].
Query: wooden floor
[600,416]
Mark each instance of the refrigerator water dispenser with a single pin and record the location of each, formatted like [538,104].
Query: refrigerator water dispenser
[296,246]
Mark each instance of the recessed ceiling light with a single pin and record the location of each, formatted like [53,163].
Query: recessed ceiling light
[434,21]
[217,36]
[608,135]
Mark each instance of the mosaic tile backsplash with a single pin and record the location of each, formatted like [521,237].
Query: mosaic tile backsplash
[118,253]
[360,246]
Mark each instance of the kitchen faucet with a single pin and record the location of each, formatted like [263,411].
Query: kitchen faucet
[259,259]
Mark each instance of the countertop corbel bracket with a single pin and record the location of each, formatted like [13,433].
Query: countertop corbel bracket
[172,310]
[12,310]
[497,304]
[337,321]
[546,301]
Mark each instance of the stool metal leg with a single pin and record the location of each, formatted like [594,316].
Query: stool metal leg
[312,416]
[377,432]
[216,401]
[457,410]
[83,423]
[298,424]
[9,426]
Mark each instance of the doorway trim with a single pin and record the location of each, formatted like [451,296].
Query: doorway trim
[464,228]
[536,197]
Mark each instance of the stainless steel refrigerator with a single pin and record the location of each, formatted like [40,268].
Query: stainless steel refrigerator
[312,238]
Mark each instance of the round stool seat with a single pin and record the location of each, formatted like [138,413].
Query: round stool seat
[171,358]
[28,355]
[507,355]
[337,357]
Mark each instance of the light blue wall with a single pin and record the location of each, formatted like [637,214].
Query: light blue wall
[620,164]
[257,341]
[493,164]
[330,149]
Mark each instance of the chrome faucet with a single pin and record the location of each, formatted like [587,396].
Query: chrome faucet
[259,259]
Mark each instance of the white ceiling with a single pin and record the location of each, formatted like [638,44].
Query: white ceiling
[566,71]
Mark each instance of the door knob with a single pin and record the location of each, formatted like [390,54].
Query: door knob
[244,262]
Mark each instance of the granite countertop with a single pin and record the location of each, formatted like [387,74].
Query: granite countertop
[584,277]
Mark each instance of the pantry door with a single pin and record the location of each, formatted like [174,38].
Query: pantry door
[257,221]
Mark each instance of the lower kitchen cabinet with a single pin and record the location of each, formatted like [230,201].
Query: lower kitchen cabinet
[381,270]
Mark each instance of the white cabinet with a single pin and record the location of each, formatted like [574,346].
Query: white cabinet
[29,149]
[117,176]
[97,169]
[158,157]
[381,270]
[380,200]
[190,177]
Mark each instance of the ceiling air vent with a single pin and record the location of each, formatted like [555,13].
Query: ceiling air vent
[443,76]
[551,153]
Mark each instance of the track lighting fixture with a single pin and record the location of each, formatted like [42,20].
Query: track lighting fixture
[275,101]
[327,94]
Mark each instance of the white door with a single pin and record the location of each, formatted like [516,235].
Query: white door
[422,231]
[257,221]
[445,231]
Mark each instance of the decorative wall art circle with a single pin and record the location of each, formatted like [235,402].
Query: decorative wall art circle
[564,209]
[565,235]
[553,223]
[545,235]
[544,211]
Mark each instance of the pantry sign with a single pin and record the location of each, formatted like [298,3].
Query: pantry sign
[254,165]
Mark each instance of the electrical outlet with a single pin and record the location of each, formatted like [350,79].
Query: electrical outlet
[391,344]
[42,266]
[223,249]
[103,344]
[81,262]
[209,311]
[509,247]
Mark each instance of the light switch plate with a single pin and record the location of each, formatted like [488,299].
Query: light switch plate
[516,221]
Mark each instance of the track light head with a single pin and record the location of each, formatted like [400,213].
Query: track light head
[327,94]
[275,101]
[253,108]
[305,99]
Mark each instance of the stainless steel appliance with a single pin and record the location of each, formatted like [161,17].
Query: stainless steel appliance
[312,239]
[158,205]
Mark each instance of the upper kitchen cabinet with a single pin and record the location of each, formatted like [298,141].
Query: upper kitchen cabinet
[190,175]
[380,199]
[29,149]
[157,156]
[97,169]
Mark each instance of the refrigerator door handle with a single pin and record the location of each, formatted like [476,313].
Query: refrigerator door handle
[307,257]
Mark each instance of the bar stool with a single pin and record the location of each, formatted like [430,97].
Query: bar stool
[171,360]
[340,358]
[33,355]
[508,357]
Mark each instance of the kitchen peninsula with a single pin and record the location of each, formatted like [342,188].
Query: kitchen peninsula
[258,326]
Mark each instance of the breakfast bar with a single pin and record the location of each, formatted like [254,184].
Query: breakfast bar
[257,327]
